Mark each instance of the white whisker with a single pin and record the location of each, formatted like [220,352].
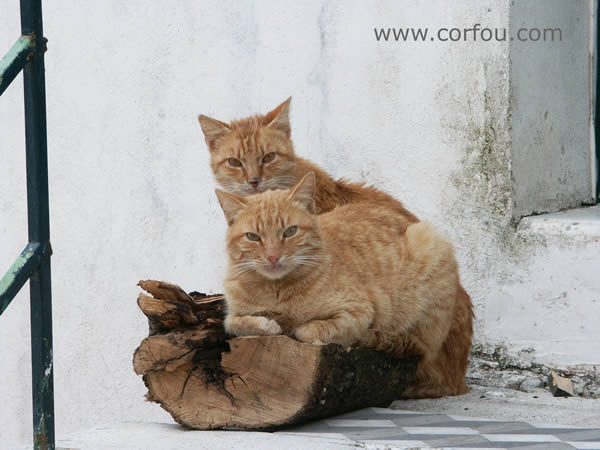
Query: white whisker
[236,188]
[242,267]
[279,182]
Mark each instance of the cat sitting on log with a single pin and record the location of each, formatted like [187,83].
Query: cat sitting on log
[359,274]
[256,154]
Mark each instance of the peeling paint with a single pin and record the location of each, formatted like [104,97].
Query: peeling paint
[11,64]
[17,266]
[19,273]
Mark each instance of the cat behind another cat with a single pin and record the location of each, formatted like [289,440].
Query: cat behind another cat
[257,153]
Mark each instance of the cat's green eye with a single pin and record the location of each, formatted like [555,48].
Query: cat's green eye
[234,162]
[290,231]
[253,237]
[268,158]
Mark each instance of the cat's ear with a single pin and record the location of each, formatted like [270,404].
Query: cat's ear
[231,204]
[279,118]
[213,130]
[304,192]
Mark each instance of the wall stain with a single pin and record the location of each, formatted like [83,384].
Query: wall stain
[484,181]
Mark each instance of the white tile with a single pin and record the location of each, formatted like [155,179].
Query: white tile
[394,444]
[474,419]
[521,438]
[325,435]
[361,423]
[396,411]
[585,445]
[440,430]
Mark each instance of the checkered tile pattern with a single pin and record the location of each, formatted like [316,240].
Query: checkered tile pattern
[387,428]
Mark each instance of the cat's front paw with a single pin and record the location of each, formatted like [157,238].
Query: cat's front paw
[309,334]
[251,326]
[269,327]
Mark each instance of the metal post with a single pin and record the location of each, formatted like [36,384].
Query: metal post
[39,228]
[597,99]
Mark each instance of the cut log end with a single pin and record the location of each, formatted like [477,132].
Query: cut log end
[206,381]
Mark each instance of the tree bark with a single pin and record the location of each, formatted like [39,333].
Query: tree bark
[206,380]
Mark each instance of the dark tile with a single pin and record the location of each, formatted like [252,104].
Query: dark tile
[455,440]
[582,434]
[506,428]
[539,446]
[489,427]
[554,431]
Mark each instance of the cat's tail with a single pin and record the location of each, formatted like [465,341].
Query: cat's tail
[445,375]
[454,355]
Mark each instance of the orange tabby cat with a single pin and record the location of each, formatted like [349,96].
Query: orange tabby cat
[360,274]
[256,154]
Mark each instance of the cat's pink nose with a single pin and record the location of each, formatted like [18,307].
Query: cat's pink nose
[273,255]
[254,182]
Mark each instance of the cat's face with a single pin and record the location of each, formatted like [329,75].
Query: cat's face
[274,234]
[252,155]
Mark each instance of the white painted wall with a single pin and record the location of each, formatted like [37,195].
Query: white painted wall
[132,194]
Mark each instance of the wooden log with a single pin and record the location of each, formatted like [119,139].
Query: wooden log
[206,381]
[169,307]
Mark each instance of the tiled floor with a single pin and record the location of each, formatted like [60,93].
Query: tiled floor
[386,428]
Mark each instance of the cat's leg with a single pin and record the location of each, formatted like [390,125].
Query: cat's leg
[251,326]
[344,328]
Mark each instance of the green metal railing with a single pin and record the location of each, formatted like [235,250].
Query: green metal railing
[33,263]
